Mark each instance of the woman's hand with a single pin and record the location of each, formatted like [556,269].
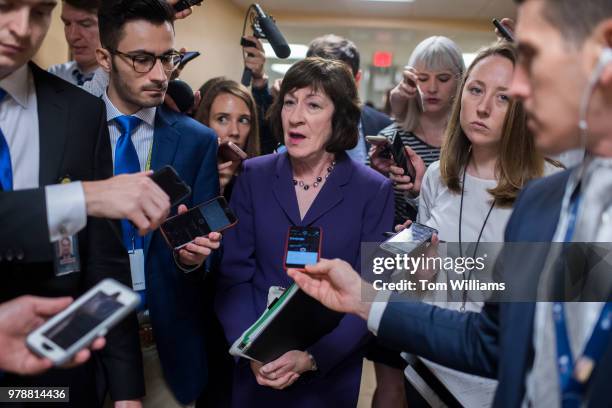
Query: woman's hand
[403,92]
[284,371]
[379,163]
[226,172]
[404,182]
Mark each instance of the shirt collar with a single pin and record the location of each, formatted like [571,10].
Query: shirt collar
[18,85]
[147,115]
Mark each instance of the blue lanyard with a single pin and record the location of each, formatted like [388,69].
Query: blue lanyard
[574,375]
[575,200]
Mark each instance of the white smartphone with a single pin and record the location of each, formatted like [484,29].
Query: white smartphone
[376,140]
[409,239]
[88,317]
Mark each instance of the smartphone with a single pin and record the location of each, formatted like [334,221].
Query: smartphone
[229,151]
[188,56]
[247,43]
[381,141]
[303,247]
[503,30]
[377,140]
[185,4]
[168,180]
[90,316]
[212,216]
[400,157]
[409,239]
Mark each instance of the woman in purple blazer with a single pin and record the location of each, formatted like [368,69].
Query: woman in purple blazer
[313,184]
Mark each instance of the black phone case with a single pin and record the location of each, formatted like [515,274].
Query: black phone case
[178,183]
[399,155]
[300,324]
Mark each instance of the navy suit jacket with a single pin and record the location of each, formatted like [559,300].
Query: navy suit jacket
[373,121]
[173,296]
[498,341]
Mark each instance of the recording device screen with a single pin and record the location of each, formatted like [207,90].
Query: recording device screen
[303,244]
[84,319]
[169,181]
[214,215]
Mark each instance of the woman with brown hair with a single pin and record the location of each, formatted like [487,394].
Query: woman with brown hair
[487,156]
[228,108]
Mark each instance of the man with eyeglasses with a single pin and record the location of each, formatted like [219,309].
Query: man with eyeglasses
[138,54]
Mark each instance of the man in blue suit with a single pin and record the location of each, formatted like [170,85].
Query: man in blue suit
[138,54]
[566,57]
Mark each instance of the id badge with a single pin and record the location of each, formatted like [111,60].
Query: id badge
[274,293]
[137,269]
[67,258]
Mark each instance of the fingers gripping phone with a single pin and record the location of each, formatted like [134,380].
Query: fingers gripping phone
[212,216]
[401,158]
[381,141]
[303,247]
[185,4]
[168,180]
[92,315]
[230,151]
[409,239]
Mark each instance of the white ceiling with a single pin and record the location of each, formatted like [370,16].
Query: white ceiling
[437,9]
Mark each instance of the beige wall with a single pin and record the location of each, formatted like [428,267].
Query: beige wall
[213,29]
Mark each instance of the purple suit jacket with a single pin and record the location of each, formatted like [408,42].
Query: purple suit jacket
[355,205]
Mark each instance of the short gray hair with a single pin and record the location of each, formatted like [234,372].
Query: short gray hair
[435,53]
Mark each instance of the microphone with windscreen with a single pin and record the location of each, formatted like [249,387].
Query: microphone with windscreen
[263,27]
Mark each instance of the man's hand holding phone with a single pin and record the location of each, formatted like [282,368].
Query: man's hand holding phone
[21,316]
[135,197]
[196,252]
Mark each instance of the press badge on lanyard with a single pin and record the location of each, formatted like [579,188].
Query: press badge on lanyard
[67,259]
[137,266]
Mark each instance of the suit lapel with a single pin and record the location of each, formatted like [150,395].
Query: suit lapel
[52,128]
[283,189]
[331,194]
[165,144]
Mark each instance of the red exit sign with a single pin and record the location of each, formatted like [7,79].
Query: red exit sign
[383,59]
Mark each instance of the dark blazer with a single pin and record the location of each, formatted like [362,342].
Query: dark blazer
[373,121]
[354,205]
[74,143]
[174,297]
[498,341]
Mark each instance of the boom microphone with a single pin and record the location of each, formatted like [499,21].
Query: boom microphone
[263,27]
[272,33]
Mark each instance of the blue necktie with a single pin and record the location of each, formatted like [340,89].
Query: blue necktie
[126,161]
[6,170]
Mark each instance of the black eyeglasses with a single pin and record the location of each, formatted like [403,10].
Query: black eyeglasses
[143,62]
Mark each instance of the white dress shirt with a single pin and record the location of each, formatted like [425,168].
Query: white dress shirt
[66,210]
[67,70]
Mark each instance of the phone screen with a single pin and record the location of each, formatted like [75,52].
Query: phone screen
[84,319]
[303,244]
[169,181]
[409,239]
[214,215]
